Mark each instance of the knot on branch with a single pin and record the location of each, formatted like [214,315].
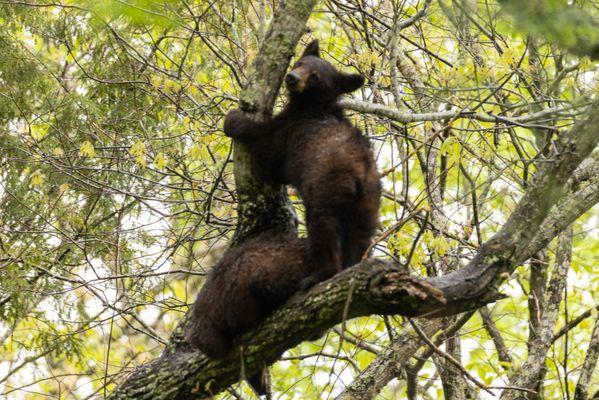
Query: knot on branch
[403,291]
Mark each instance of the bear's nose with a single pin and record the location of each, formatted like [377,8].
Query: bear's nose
[292,78]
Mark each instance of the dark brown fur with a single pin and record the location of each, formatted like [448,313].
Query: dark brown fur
[313,147]
[248,283]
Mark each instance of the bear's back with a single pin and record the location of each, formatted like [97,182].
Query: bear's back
[229,303]
[321,151]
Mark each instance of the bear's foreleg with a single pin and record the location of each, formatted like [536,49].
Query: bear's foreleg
[238,126]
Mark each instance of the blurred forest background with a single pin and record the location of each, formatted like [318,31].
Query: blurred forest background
[117,192]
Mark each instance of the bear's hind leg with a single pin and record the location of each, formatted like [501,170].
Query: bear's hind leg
[209,341]
[358,229]
[261,382]
[355,244]
[323,245]
[270,293]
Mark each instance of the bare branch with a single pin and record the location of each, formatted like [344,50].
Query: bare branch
[381,110]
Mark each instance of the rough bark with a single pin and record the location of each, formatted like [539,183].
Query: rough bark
[183,373]
[261,204]
[532,373]
[588,367]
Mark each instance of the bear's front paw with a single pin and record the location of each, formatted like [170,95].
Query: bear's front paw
[233,120]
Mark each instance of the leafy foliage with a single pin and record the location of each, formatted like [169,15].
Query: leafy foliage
[117,192]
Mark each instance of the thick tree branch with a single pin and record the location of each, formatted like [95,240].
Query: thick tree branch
[262,205]
[532,372]
[584,194]
[184,373]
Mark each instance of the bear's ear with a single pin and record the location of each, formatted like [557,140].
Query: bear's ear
[347,83]
[312,49]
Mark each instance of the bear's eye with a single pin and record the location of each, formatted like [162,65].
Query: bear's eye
[297,64]
[314,77]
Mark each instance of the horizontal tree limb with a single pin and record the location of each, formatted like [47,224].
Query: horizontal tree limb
[407,117]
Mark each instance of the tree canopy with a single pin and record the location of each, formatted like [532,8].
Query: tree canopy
[119,191]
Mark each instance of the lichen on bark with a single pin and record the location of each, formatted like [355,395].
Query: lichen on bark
[263,205]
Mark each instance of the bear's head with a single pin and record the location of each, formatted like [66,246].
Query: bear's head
[316,80]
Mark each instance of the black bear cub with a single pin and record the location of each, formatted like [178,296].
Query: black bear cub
[249,282]
[312,146]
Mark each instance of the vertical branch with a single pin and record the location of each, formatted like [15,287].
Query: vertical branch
[536,304]
[263,205]
[531,374]
[590,363]
[503,353]
[453,382]
[563,259]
